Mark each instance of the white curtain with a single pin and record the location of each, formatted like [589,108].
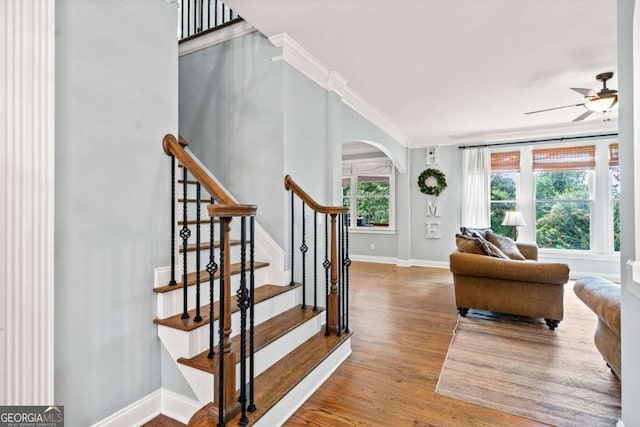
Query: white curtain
[476,165]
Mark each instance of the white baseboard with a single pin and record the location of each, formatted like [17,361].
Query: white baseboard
[427,263]
[137,413]
[400,262]
[579,274]
[178,407]
[159,402]
[378,259]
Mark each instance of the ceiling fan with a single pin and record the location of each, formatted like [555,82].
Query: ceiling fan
[595,102]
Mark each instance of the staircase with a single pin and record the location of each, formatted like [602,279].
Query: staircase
[249,346]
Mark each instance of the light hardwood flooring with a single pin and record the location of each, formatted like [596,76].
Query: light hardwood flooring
[402,319]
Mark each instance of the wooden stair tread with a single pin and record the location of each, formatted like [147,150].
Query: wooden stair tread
[265,333]
[207,245]
[194,200]
[204,276]
[274,383]
[202,221]
[262,293]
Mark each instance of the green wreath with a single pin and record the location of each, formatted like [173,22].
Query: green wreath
[441,182]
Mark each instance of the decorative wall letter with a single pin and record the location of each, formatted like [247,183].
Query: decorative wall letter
[433,231]
[432,155]
[433,207]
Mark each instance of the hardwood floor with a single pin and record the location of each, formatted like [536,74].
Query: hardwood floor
[402,319]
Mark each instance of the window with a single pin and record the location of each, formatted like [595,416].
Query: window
[569,194]
[563,178]
[614,173]
[505,171]
[368,191]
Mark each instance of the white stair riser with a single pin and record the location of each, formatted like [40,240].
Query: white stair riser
[202,382]
[234,234]
[163,274]
[170,303]
[189,343]
[204,258]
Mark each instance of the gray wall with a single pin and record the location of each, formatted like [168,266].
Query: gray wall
[450,206]
[630,302]
[231,113]
[116,96]
[252,121]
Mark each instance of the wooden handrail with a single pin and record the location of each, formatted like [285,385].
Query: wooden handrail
[225,208]
[175,148]
[228,211]
[290,184]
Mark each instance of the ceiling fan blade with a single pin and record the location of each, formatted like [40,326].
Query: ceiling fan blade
[583,116]
[555,108]
[585,92]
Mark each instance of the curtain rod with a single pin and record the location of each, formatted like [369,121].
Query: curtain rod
[533,141]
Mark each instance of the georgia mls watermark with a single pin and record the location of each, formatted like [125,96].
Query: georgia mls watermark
[31,416]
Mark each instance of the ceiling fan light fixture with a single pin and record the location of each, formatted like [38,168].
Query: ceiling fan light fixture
[601,105]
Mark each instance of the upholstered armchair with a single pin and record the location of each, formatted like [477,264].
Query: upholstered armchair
[603,298]
[519,287]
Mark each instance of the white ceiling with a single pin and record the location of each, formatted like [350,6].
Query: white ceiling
[454,71]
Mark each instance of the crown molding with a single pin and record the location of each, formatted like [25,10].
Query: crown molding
[215,37]
[511,135]
[298,57]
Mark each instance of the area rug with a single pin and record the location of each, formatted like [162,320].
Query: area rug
[517,365]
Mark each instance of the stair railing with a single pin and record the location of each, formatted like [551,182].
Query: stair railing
[223,208]
[198,16]
[336,256]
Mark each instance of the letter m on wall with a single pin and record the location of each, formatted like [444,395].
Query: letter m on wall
[433,207]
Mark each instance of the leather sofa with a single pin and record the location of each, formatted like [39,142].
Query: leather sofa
[524,288]
[603,298]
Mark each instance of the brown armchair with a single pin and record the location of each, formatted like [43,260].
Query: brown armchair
[603,298]
[524,288]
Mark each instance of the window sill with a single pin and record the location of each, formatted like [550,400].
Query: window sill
[578,254]
[372,231]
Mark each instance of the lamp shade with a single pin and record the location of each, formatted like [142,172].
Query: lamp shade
[513,218]
[600,105]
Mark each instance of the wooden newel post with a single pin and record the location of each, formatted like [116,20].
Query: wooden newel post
[332,314]
[226,398]
[229,401]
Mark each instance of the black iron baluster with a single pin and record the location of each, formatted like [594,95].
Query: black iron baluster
[343,266]
[215,19]
[243,301]
[326,264]
[303,249]
[252,288]
[212,267]
[315,261]
[188,17]
[198,317]
[347,263]
[208,14]
[182,21]
[221,331]
[185,233]
[195,17]
[292,236]
[172,282]
[201,15]
[340,271]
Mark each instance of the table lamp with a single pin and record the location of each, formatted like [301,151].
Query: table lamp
[514,219]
